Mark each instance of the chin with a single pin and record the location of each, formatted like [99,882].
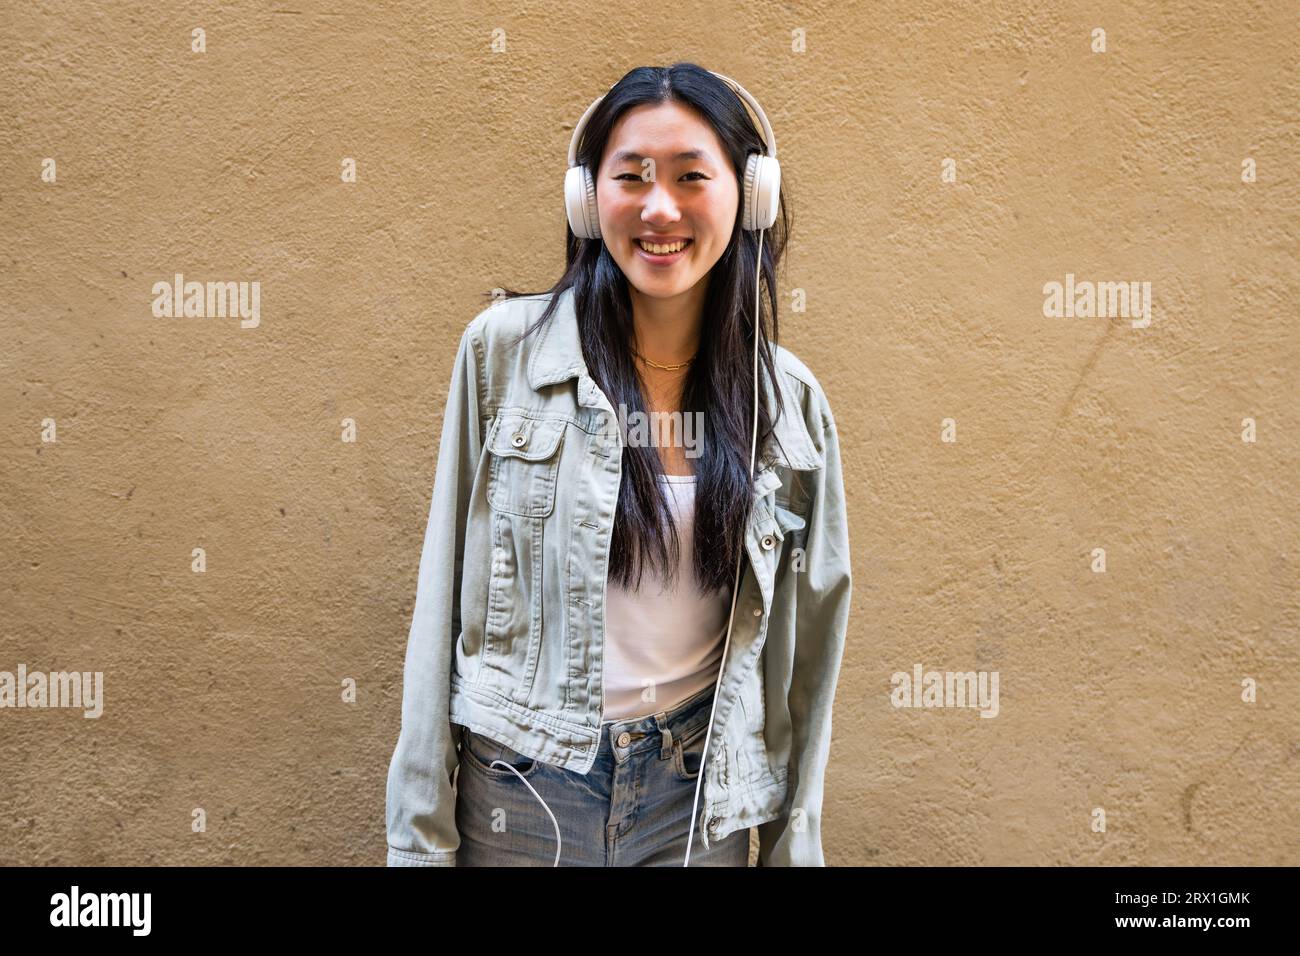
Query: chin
[658,289]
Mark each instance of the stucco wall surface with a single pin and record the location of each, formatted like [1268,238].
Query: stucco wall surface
[945,162]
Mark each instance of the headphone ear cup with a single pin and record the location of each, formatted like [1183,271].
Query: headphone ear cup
[580,203]
[762,191]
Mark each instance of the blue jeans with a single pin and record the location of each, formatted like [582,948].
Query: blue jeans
[632,809]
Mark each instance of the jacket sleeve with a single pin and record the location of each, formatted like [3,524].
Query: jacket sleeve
[421,805]
[821,625]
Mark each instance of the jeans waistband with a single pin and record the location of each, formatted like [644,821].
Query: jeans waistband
[659,730]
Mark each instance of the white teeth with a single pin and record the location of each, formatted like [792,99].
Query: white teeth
[661,250]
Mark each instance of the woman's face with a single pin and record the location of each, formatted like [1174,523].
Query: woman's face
[646,190]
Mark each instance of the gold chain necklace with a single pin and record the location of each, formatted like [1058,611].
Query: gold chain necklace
[666,368]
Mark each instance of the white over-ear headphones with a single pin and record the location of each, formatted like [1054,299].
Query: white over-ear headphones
[761,196]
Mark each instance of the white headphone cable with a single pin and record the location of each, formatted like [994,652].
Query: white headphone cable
[735,585]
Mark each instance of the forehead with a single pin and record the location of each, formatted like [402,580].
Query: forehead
[662,131]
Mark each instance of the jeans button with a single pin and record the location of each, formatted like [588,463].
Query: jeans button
[624,739]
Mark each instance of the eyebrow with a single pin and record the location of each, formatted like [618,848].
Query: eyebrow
[628,156]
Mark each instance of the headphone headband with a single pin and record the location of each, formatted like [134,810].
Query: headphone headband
[769,138]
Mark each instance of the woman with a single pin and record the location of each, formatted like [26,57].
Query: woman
[582,628]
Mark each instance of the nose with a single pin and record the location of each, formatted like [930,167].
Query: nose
[660,207]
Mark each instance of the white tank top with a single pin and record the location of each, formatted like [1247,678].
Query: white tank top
[660,639]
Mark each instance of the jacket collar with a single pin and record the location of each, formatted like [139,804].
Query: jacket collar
[557,357]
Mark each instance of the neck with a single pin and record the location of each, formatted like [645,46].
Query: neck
[667,330]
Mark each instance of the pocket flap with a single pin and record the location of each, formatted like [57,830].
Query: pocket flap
[532,439]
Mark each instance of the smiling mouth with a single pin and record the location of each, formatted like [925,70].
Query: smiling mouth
[663,249]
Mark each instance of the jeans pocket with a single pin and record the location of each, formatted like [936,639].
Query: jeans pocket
[688,751]
[487,756]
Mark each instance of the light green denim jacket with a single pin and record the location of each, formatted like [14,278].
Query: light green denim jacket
[507,636]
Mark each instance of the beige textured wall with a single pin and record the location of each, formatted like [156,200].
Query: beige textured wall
[1119,690]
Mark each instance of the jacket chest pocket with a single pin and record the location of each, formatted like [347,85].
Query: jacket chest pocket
[524,464]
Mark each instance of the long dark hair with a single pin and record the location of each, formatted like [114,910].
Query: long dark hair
[719,383]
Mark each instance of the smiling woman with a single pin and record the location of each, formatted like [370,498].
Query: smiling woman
[590,595]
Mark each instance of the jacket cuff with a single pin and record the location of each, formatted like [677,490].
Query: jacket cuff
[411,858]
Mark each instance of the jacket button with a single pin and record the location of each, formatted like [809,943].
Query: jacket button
[624,739]
[768,542]
[713,823]
[758,612]
[518,439]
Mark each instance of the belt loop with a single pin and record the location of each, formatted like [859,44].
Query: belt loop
[666,743]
